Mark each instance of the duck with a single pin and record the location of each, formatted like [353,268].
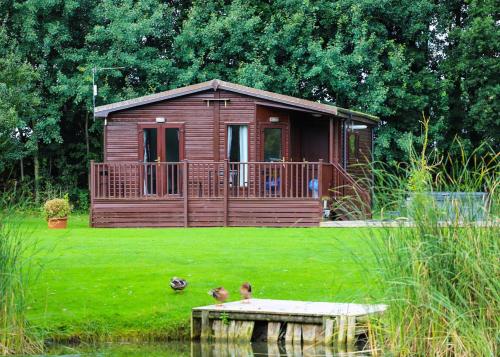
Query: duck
[246,292]
[178,284]
[220,294]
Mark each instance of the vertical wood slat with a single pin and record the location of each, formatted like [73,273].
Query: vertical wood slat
[351,329]
[205,326]
[186,196]
[342,329]
[320,178]
[226,193]
[92,189]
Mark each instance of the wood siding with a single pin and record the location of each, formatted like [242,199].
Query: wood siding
[191,110]
[205,116]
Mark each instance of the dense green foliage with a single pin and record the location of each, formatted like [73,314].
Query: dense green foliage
[114,284]
[395,59]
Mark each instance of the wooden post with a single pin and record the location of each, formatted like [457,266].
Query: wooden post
[328,329]
[226,190]
[273,350]
[289,333]
[341,337]
[186,193]
[245,331]
[297,334]
[320,178]
[331,151]
[351,328]
[232,330]
[92,190]
[273,331]
[220,331]
[308,334]
[195,328]
[205,326]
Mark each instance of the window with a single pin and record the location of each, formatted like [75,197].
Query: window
[272,144]
[150,145]
[172,144]
[237,143]
[353,144]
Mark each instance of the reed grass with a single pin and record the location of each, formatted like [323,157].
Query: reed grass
[440,267]
[15,272]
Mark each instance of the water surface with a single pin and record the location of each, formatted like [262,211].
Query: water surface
[197,349]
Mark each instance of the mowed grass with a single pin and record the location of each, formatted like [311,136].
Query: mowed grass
[113,283]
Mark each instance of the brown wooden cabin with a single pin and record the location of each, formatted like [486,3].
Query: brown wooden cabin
[222,154]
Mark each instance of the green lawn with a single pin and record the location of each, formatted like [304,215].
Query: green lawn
[114,282]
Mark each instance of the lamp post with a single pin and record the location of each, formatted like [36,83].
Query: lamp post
[94,85]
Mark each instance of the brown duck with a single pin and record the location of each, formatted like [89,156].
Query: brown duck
[246,292]
[220,294]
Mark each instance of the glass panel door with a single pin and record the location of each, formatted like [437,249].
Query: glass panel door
[150,155]
[237,151]
[172,156]
[272,144]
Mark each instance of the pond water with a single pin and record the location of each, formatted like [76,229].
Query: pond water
[197,349]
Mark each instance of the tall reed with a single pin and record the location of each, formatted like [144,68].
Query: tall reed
[15,253]
[440,266]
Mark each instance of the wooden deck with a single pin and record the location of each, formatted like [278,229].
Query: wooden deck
[294,322]
[204,194]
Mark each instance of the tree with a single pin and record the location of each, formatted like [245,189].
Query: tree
[472,68]
[19,101]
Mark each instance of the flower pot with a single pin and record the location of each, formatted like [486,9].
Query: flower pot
[58,223]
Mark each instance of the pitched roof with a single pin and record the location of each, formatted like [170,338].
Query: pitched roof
[104,110]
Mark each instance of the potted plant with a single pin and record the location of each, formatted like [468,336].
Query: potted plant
[56,212]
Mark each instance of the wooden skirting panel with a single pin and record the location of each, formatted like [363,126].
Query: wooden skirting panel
[205,212]
[130,213]
[274,213]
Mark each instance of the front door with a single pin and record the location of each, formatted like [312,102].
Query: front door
[161,150]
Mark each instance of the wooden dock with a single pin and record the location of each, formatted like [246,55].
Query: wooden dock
[293,322]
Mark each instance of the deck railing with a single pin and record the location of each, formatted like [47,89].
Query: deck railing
[211,179]
[207,179]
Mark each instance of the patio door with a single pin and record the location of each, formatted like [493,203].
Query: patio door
[272,145]
[161,149]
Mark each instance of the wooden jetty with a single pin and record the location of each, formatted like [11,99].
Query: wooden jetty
[294,322]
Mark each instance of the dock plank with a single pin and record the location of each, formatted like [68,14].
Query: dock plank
[291,307]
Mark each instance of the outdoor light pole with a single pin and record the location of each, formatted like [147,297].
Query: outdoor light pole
[94,86]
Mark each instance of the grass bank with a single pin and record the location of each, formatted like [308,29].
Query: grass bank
[112,284]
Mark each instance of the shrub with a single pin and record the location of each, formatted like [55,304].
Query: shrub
[56,208]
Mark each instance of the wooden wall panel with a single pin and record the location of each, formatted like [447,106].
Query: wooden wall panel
[239,110]
[191,110]
[121,142]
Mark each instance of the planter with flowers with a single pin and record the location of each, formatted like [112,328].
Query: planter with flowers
[56,212]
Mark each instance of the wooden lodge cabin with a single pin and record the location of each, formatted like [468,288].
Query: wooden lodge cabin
[222,154]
